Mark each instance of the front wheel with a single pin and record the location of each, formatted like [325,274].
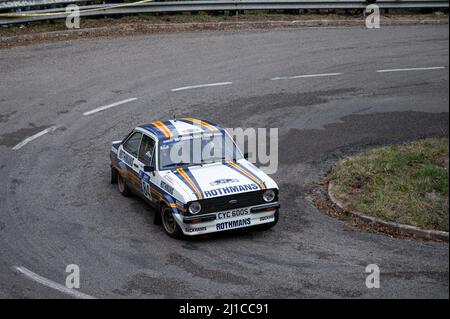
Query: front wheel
[114,175]
[169,223]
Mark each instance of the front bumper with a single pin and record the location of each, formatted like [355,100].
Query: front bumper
[228,220]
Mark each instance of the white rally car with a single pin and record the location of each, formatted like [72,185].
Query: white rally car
[192,172]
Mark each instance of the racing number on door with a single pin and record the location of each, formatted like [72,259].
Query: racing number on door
[145,187]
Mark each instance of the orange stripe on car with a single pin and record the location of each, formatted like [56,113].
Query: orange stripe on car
[247,173]
[188,179]
[200,122]
[163,128]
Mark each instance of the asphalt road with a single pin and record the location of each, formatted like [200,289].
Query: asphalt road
[58,208]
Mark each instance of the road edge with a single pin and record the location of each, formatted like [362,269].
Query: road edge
[400,228]
[144,28]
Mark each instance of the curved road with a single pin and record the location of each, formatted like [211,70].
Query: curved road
[58,208]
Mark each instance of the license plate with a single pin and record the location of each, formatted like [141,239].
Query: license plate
[233,213]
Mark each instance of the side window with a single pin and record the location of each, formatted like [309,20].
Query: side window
[146,150]
[132,144]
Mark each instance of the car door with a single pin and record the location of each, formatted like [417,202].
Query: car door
[146,157]
[128,153]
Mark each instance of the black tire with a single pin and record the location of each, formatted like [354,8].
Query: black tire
[114,175]
[122,186]
[169,223]
[269,225]
[157,220]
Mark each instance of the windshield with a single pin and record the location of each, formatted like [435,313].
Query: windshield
[197,150]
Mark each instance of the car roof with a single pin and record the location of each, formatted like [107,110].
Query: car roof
[168,129]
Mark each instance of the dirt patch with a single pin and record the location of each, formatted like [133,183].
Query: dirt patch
[148,24]
[211,274]
[13,138]
[6,116]
[265,105]
[358,131]
[144,285]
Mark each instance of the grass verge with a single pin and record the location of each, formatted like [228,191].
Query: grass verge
[406,183]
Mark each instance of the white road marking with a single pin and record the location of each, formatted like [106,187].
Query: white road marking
[412,69]
[102,108]
[200,86]
[35,136]
[51,284]
[303,76]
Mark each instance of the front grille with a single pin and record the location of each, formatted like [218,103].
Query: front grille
[222,203]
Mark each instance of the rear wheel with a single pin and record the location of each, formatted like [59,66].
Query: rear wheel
[122,186]
[169,223]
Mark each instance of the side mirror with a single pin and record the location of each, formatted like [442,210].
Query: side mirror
[149,168]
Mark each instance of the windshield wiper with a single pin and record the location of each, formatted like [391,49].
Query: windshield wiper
[181,164]
[213,159]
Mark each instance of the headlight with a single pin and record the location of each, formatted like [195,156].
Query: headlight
[195,208]
[269,195]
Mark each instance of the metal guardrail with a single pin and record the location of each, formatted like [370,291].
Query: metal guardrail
[190,6]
